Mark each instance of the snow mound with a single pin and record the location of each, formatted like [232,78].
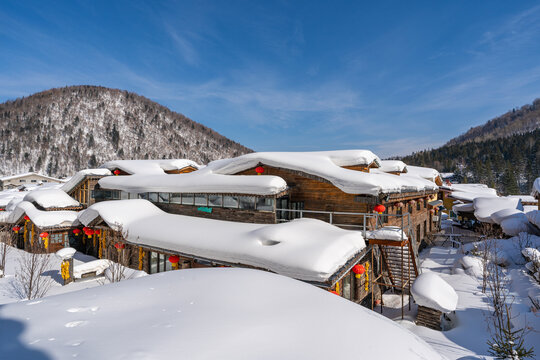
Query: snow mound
[534,217]
[305,249]
[97,266]
[472,265]
[51,198]
[387,233]
[66,253]
[149,167]
[393,166]
[431,291]
[485,207]
[195,314]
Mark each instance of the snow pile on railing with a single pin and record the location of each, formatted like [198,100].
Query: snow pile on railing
[149,167]
[431,291]
[387,233]
[305,249]
[51,198]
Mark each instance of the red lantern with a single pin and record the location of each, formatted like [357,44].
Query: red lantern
[16,228]
[85,229]
[76,231]
[89,232]
[379,209]
[173,259]
[259,170]
[116,172]
[44,235]
[119,246]
[358,270]
[97,231]
[334,292]
[26,217]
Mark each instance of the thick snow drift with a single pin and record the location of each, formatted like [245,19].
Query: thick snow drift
[51,198]
[202,181]
[78,177]
[305,249]
[424,172]
[485,207]
[224,314]
[431,291]
[149,167]
[393,166]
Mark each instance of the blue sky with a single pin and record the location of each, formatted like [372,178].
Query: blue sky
[391,76]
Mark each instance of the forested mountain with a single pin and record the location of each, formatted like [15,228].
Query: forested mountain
[508,164]
[517,121]
[63,130]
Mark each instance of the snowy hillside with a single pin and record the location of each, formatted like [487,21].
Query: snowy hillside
[60,131]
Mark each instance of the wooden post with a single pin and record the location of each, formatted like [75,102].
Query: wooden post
[66,269]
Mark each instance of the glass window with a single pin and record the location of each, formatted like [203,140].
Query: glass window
[346,292]
[418,205]
[143,196]
[187,199]
[56,238]
[246,202]
[163,197]
[230,201]
[153,197]
[133,195]
[200,200]
[124,195]
[33,180]
[176,198]
[215,200]
[153,262]
[22,180]
[265,204]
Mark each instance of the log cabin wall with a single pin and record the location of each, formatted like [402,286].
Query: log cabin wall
[218,213]
[83,191]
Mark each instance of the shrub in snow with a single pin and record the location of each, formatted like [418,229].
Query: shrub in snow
[30,282]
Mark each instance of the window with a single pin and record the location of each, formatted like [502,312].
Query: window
[201,200]
[44,180]
[187,199]
[163,197]
[246,202]
[230,202]
[143,196]
[418,205]
[159,263]
[346,287]
[410,209]
[133,195]
[215,200]
[153,197]
[33,180]
[124,195]
[176,198]
[399,211]
[265,204]
[57,239]
[22,180]
[425,228]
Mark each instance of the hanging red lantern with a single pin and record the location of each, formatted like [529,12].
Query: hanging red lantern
[85,229]
[116,172]
[26,218]
[76,231]
[89,232]
[174,259]
[379,209]
[358,270]
[44,235]
[97,231]
[259,170]
[16,228]
[119,246]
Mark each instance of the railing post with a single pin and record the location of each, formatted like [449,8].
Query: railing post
[331,222]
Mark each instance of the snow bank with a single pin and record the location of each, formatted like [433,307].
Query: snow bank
[531,254]
[484,207]
[65,253]
[329,166]
[393,166]
[202,181]
[472,265]
[227,314]
[78,177]
[97,266]
[42,219]
[51,198]
[536,188]
[431,291]
[387,233]
[305,249]
[534,217]
[149,167]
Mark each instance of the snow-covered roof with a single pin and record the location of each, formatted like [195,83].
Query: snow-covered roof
[536,188]
[468,192]
[149,167]
[424,172]
[305,249]
[431,291]
[12,177]
[51,198]
[79,176]
[524,198]
[485,207]
[201,181]
[468,207]
[42,219]
[328,165]
[393,166]
[219,313]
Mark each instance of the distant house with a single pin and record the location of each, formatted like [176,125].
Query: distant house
[536,191]
[10,182]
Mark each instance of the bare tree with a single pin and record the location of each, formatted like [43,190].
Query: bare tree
[5,247]
[506,342]
[117,269]
[30,283]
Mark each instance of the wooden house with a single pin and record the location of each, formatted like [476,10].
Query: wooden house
[148,167]
[81,186]
[13,181]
